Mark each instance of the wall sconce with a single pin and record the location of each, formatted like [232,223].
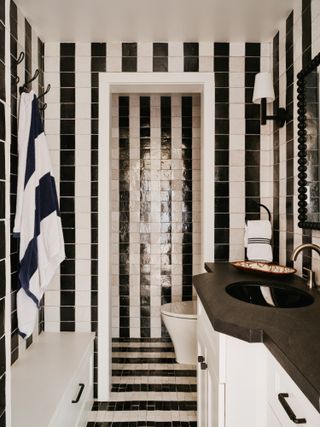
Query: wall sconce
[263,92]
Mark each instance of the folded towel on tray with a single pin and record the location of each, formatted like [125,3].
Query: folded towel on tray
[257,240]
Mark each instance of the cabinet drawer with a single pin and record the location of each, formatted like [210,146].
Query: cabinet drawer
[279,382]
[77,399]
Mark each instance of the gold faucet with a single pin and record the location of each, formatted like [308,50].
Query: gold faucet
[311,282]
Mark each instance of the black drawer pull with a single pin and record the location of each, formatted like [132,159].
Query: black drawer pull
[282,399]
[81,385]
[200,359]
[203,366]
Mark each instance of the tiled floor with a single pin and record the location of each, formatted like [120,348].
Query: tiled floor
[149,388]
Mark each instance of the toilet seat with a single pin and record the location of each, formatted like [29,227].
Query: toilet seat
[182,309]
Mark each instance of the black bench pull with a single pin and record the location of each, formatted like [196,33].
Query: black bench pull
[282,399]
[81,385]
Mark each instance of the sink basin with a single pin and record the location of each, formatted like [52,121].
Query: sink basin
[269,294]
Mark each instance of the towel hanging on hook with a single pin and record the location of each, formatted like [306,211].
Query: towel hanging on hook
[24,88]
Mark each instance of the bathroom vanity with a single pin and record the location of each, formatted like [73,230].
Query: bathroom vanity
[52,382]
[256,367]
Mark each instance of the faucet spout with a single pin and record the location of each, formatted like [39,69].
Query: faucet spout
[300,248]
[311,283]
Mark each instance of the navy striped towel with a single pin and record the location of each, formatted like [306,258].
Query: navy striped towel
[258,241]
[37,220]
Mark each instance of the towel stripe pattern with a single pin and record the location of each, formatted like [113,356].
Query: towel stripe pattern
[37,221]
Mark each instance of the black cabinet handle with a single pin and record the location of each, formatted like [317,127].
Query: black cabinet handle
[81,385]
[282,399]
[200,359]
[203,366]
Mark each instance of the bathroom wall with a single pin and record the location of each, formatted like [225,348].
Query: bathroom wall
[155,208]
[296,42]
[16,35]
[243,163]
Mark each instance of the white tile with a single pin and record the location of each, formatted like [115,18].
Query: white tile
[83,49]
[114,64]
[52,64]
[175,49]
[236,65]
[52,49]
[114,49]
[237,49]
[205,64]
[236,80]
[145,49]
[145,64]
[83,80]
[83,64]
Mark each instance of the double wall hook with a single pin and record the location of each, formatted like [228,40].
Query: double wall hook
[45,92]
[19,60]
[25,86]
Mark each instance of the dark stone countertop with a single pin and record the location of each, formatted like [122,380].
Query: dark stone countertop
[292,335]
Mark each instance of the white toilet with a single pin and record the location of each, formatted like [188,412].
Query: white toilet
[180,319]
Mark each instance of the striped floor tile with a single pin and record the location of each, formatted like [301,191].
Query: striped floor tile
[148,388]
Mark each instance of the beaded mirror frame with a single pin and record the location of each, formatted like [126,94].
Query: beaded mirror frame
[302,146]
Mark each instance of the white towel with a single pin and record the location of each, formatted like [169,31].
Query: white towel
[258,240]
[37,220]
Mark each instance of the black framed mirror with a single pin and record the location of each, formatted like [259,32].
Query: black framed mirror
[309,145]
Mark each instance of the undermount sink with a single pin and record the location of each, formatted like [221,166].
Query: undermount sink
[269,294]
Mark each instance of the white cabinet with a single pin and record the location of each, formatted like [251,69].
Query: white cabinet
[286,399]
[243,385]
[229,395]
[56,371]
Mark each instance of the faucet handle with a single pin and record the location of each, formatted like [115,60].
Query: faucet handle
[310,276]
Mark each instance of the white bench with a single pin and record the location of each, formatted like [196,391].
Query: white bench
[52,382]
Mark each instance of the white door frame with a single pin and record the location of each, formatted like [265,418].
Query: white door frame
[109,83]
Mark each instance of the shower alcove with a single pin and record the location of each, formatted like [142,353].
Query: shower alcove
[183,89]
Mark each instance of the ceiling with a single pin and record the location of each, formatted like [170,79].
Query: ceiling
[155,20]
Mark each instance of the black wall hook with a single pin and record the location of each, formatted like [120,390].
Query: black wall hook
[19,60]
[45,92]
[25,86]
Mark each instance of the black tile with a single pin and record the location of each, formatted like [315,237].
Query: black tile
[2,13]
[98,49]
[2,128]
[221,49]
[129,49]
[98,64]
[160,64]
[2,241]
[221,63]
[67,79]
[190,49]
[191,64]
[67,49]
[160,49]
[67,63]
[252,65]
[2,42]
[221,79]
[67,95]
[2,82]
[252,49]
[129,64]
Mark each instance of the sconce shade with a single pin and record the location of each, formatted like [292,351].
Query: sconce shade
[263,88]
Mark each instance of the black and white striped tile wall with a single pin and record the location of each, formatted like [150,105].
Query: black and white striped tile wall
[155,208]
[71,302]
[3,213]
[297,41]
[16,35]
[22,39]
